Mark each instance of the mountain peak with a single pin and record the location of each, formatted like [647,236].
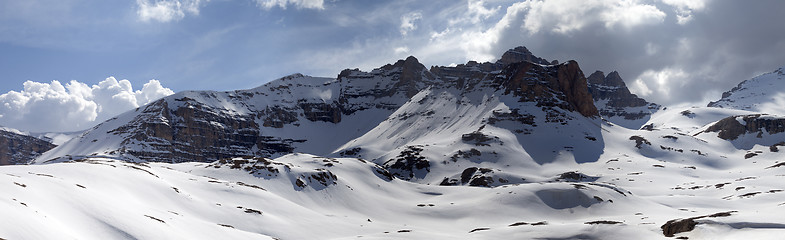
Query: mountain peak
[598,77]
[760,94]
[520,54]
[615,101]
[566,81]
[612,80]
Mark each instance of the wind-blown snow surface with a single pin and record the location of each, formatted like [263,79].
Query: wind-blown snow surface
[629,192]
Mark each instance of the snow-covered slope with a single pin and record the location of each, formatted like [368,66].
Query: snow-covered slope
[624,195]
[763,94]
[506,150]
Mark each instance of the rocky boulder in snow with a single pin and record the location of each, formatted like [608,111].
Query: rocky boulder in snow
[731,128]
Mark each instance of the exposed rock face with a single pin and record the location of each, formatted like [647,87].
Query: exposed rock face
[195,132]
[731,128]
[409,164]
[277,118]
[20,149]
[411,75]
[520,54]
[614,99]
[405,77]
[561,86]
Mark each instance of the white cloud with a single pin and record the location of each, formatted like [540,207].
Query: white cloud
[408,22]
[401,50]
[665,80]
[311,4]
[166,10]
[565,16]
[478,11]
[52,107]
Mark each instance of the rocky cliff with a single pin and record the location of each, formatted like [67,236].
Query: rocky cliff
[20,149]
[562,86]
[616,103]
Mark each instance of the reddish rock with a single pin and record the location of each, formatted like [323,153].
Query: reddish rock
[561,85]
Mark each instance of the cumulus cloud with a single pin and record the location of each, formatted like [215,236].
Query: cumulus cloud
[565,16]
[166,10]
[311,4]
[408,22]
[478,12]
[52,107]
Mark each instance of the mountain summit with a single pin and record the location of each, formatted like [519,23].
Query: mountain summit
[763,93]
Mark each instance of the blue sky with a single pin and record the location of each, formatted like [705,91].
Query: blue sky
[668,51]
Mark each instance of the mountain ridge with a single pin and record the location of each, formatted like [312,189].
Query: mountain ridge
[474,151]
[174,124]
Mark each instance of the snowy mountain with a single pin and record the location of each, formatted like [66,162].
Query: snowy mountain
[764,93]
[520,148]
[280,117]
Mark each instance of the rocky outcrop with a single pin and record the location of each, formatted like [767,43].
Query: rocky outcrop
[409,164]
[731,128]
[410,77]
[562,86]
[675,226]
[521,54]
[20,149]
[614,99]
[195,132]
[406,77]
